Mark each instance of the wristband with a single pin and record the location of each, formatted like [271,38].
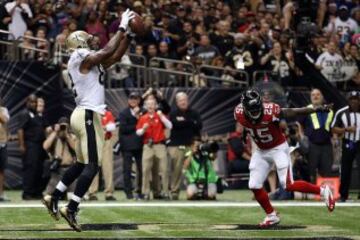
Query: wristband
[121,29]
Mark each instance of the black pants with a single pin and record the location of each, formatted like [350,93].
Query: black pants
[33,161]
[321,159]
[128,157]
[349,153]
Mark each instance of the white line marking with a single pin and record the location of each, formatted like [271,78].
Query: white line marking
[186,204]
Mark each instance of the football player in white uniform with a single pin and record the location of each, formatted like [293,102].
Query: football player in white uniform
[86,71]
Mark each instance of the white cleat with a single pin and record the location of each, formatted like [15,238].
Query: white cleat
[328,198]
[270,220]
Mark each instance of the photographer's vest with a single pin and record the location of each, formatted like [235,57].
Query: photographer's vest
[196,172]
[315,120]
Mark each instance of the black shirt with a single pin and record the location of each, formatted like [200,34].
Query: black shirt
[127,132]
[223,43]
[186,125]
[33,126]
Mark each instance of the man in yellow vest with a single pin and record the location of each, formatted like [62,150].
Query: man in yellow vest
[317,129]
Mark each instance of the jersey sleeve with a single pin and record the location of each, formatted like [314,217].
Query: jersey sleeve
[237,112]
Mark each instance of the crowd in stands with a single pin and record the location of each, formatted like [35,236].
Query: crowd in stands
[244,35]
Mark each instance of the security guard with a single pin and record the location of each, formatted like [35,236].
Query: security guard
[317,129]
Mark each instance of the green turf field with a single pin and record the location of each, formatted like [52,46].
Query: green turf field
[166,221]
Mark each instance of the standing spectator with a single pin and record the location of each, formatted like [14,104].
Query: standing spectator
[4,119]
[107,166]
[343,24]
[31,137]
[20,13]
[347,123]
[188,40]
[279,63]
[187,124]
[152,127]
[119,73]
[317,129]
[206,51]
[131,145]
[330,63]
[27,46]
[95,26]
[5,19]
[60,145]
[222,39]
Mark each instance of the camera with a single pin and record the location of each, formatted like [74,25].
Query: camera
[63,127]
[55,164]
[211,147]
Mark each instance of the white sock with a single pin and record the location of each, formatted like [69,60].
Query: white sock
[273,213]
[322,189]
[61,187]
[76,198]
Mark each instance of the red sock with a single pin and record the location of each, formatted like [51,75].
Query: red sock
[302,186]
[263,199]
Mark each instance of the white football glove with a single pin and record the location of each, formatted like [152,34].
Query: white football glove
[125,19]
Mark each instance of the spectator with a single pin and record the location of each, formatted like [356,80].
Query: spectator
[119,73]
[95,26]
[221,38]
[20,14]
[279,63]
[107,166]
[187,124]
[206,51]
[165,53]
[60,145]
[343,24]
[200,174]
[4,119]
[351,62]
[188,41]
[42,44]
[5,20]
[27,46]
[152,126]
[238,152]
[240,57]
[31,137]
[347,124]
[131,145]
[317,129]
[330,63]
[162,104]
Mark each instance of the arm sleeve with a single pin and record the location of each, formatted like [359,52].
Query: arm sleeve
[139,127]
[166,122]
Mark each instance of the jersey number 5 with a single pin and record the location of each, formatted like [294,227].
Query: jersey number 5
[261,135]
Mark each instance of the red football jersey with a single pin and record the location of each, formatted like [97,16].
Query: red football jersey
[266,133]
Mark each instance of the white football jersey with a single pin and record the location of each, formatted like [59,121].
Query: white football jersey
[88,88]
[343,27]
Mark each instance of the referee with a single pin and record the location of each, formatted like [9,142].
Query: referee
[347,123]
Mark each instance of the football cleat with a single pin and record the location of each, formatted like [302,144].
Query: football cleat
[52,206]
[70,217]
[329,198]
[270,221]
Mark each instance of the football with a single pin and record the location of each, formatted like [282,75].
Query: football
[137,25]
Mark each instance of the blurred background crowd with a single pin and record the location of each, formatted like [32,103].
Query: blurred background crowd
[233,36]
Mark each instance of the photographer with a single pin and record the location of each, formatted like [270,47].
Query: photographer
[60,144]
[200,174]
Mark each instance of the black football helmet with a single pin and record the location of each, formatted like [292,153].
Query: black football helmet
[252,105]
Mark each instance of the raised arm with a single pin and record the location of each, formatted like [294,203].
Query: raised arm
[293,112]
[101,56]
[117,55]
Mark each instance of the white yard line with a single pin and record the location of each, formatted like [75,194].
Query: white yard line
[185,204]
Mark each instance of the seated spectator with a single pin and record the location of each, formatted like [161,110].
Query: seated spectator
[151,126]
[42,44]
[238,153]
[188,41]
[200,174]
[60,145]
[221,38]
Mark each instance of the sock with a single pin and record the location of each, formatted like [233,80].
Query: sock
[263,199]
[74,203]
[59,190]
[69,177]
[82,185]
[302,186]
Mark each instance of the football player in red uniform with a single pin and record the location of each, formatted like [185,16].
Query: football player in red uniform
[261,120]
